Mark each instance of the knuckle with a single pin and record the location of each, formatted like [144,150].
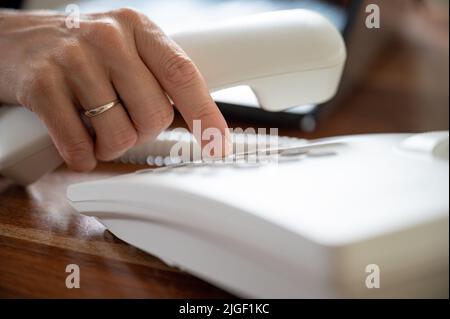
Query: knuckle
[179,70]
[105,34]
[166,117]
[120,140]
[204,110]
[40,82]
[107,37]
[42,79]
[71,56]
[106,28]
[155,122]
[77,151]
[129,14]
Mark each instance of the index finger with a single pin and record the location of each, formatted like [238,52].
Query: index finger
[181,80]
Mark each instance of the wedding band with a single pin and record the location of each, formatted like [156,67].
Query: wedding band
[101,109]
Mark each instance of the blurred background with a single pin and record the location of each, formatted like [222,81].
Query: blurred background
[396,78]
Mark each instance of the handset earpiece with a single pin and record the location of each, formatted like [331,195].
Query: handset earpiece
[288,58]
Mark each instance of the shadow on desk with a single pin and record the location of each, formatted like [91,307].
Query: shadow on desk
[40,235]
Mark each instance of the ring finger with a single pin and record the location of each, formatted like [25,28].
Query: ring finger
[114,130]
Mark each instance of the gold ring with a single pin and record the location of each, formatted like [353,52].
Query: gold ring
[101,109]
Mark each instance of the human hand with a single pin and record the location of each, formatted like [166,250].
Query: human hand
[57,72]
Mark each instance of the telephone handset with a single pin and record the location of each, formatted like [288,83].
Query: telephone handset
[288,58]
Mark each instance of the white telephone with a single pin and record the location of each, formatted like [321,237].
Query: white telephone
[307,220]
[288,58]
[311,220]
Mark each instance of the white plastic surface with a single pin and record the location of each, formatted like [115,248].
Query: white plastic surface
[26,150]
[288,58]
[431,143]
[323,218]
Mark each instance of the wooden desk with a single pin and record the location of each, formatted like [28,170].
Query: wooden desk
[40,234]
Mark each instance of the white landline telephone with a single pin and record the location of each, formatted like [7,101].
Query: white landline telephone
[288,58]
[309,219]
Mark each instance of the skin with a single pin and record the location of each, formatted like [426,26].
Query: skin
[58,73]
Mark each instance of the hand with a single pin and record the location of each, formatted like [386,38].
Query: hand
[57,72]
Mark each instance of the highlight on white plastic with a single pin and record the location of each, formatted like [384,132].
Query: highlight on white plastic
[288,58]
